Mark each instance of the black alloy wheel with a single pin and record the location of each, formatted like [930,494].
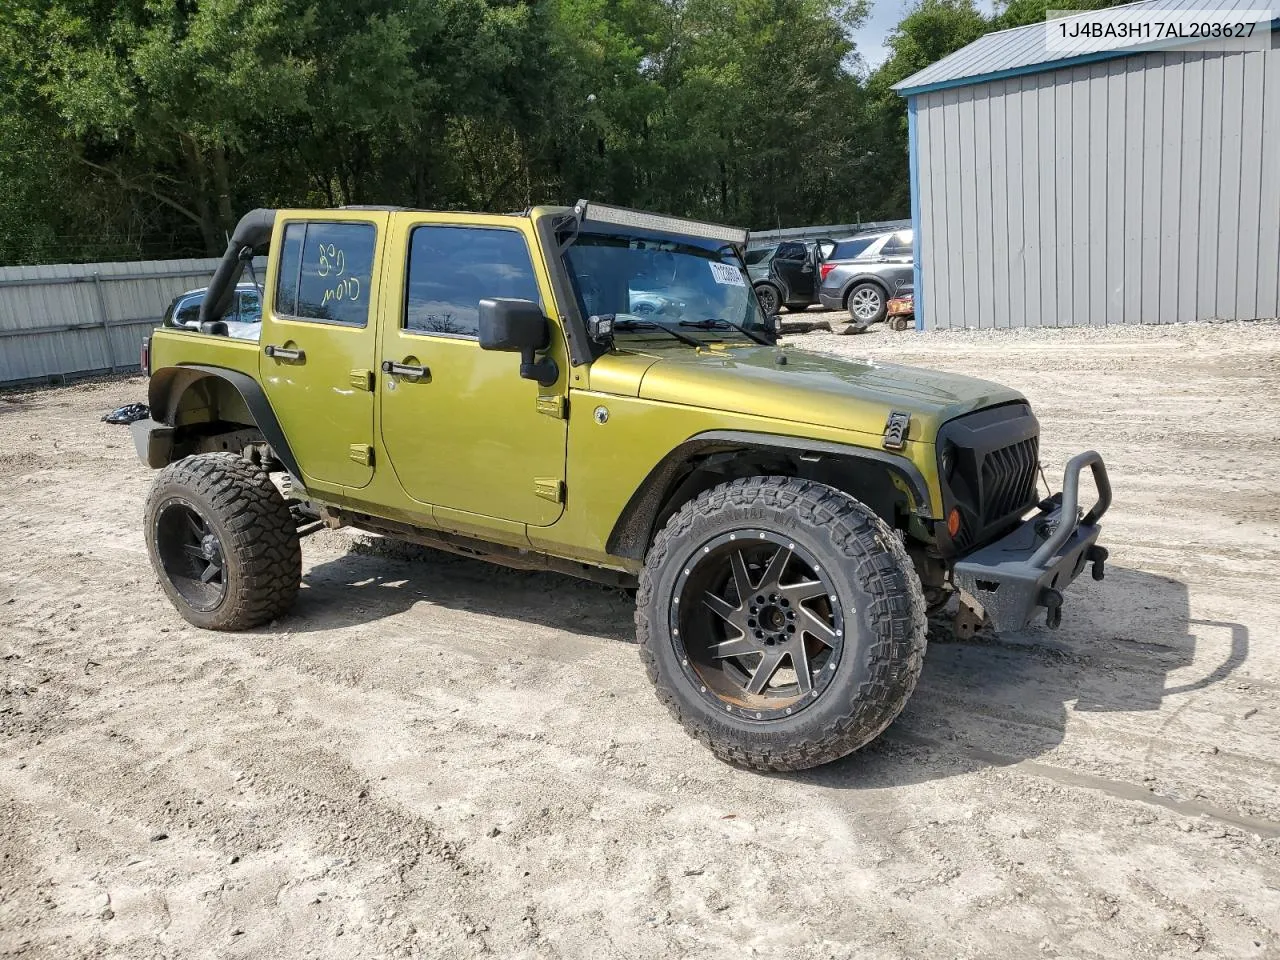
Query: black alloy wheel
[781,621]
[770,301]
[191,555]
[757,624]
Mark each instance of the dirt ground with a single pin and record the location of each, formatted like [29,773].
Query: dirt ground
[432,757]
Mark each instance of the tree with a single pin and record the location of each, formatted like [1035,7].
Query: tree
[146,127]
[930,30]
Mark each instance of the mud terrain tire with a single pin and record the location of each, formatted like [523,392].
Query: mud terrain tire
[256,552]
[880,602]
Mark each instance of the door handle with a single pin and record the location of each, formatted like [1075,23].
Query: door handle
[281,353]
[405,370]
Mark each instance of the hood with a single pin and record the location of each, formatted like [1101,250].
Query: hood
[843,394]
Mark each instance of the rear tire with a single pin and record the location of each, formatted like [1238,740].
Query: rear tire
[867,304]
[861,636]
[223,542]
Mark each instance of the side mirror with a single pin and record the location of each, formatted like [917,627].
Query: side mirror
[518,326]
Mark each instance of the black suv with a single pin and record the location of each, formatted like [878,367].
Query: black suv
[787,275]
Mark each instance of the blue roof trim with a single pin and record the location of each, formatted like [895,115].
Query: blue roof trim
[1044,66]
[913,168]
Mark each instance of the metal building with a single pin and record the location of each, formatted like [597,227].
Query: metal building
[1096,188]
[67,320]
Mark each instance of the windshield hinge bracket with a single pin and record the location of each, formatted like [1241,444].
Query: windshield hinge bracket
[895,430]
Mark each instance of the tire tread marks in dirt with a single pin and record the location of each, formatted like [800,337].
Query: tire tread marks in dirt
[264,550]
[869,553]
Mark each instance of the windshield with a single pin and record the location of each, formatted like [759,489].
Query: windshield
[663,280]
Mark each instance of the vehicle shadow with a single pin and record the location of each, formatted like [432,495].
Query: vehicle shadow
[996,701]
[989,701]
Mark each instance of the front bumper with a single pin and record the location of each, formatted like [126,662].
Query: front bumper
[1029,567]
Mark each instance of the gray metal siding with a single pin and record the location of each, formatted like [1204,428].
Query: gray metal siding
[61,320]
[1143,189]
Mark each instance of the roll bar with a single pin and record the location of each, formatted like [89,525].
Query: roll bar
[253,230]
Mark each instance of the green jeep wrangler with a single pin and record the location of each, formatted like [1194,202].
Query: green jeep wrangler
[790,520]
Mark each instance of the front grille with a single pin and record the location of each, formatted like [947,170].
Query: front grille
[987,463]
[1009,479]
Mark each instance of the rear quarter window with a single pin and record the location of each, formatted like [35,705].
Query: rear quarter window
[848,249]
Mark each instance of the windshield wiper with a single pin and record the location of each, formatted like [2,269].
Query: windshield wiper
[719,324]
[650,325]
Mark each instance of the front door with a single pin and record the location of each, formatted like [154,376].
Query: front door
[793,265]
[462,430]
[319,341]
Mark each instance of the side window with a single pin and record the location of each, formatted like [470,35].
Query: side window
[325,272]
[188,312]
[792,251]
[451,269]
[898,245]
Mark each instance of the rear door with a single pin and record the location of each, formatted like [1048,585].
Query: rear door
[319,340]
[898,257]
[463,431]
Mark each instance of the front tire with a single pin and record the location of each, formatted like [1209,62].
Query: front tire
[770,299]
[222,542]
[781,622]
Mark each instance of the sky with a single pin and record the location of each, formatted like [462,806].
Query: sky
[884,16]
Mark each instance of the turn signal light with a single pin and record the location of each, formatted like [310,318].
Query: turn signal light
[953,522]
[825,269]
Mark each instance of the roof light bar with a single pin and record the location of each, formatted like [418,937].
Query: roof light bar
[624,217]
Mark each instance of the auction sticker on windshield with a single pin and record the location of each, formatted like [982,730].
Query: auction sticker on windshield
[727,273]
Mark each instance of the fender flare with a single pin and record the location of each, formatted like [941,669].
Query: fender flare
[167,387]
[633,529]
